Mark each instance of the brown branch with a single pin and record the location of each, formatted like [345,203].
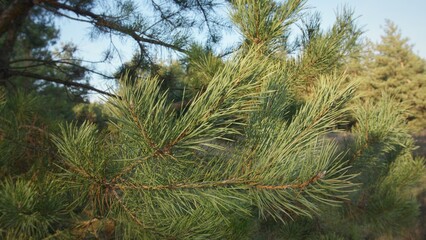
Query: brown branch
[27,146]
[142,129]
[60,81]
[163,15]
[62,59]
[206,19]
[135,218]
[168,147]
[44,62]
[302,185]
[43,131]
[185,132]
[128,169]
[127,210]
[101,22]
[228,182]
[16,9]
[362,148]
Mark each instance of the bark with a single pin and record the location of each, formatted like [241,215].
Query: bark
[11,20]
[13,16]
[17,10]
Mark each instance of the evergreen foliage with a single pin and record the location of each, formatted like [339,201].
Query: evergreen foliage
[31,58]
[246,157]
[24,142]
[93,113]
[392,67]
[383,157]
[157,177]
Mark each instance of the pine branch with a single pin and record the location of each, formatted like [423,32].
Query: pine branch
[231,183]
[127,210]
[101,22]
[143,131]
[128,169]
[57,80]
[53,63]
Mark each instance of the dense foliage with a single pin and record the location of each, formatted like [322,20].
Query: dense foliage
[246,146]
[391,67]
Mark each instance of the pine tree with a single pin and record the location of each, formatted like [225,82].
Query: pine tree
[28,35]
[392,67]
[239,151]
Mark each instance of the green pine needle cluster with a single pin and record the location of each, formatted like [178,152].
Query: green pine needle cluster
[252,154]
[162,172]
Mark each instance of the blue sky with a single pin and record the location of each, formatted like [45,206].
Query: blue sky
[409,16]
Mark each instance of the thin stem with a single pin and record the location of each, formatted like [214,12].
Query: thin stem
[244,184]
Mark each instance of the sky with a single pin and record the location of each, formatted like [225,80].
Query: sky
[409,16]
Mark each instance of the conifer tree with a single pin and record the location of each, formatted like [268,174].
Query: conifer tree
[240,151]
[392,67]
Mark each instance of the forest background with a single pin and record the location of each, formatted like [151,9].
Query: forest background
[372,21]
[75,168]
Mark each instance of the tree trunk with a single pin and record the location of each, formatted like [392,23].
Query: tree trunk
[17,9]
[11,20]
